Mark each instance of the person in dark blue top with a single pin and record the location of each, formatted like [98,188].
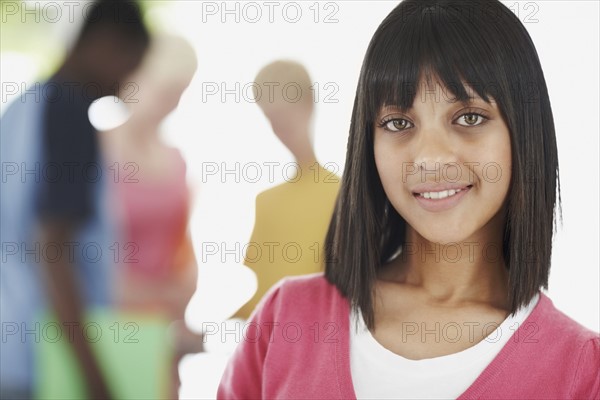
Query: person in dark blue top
[48,131]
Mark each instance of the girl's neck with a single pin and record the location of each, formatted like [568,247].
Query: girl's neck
[472,270]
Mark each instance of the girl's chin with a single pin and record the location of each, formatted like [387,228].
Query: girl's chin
[447,237]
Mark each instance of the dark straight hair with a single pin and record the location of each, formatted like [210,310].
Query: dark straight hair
[478,43]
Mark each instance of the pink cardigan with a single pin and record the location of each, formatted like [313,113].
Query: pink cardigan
[296,346]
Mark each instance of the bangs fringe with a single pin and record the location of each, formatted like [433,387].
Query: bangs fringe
[435,45]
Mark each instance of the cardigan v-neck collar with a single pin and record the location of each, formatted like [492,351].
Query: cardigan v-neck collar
[477,388]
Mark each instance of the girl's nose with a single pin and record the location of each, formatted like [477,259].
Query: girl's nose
[434,149]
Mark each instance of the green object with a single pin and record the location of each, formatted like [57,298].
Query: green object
[134,352]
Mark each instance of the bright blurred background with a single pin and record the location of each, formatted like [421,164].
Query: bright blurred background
[228,144]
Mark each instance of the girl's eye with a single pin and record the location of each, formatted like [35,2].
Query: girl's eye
[396,124]
[471,119]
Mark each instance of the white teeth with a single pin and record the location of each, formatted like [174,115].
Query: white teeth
[440,195]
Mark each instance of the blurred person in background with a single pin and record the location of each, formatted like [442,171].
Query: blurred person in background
[292,218]
[160,277]
[52,201]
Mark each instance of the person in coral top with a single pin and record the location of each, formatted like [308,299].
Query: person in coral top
[158,271]
[440,243]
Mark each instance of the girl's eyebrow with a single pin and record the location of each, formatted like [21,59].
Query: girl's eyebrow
[392,108]
[472,100]
[475,98]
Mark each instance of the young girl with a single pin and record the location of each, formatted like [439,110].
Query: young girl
[441,237]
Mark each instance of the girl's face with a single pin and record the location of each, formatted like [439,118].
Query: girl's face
[445,166]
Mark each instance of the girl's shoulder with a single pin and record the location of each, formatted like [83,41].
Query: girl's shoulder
[558,326]
[563,355]
[314,282]
[302,297]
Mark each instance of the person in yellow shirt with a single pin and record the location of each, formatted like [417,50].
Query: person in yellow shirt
[291,218]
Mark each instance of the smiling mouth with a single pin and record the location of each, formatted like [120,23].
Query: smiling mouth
[439,195]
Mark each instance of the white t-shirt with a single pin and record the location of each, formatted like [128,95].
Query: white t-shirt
[378,373]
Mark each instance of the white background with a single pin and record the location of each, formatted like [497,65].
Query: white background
[212,131]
